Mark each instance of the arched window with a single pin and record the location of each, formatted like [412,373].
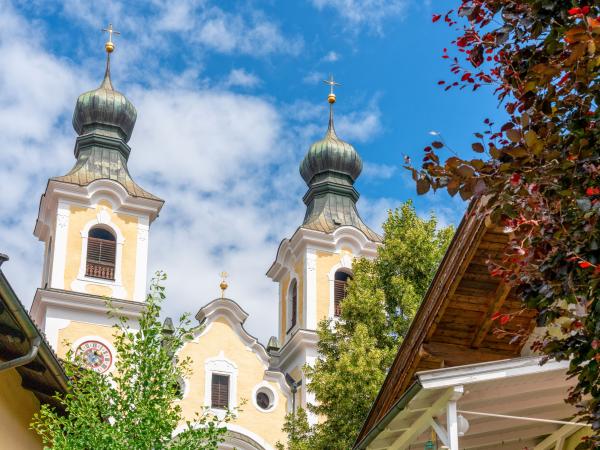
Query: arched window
[340,286]
[292,305]
[101,254]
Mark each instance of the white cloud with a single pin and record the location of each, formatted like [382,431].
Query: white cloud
[153,25]
[378,171]
[359,126]
[369,13]
[229,33]
[331,57]
[314,78]
[239,77]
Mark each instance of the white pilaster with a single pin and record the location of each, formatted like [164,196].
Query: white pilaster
[311,289]
[60,245]
[141,259]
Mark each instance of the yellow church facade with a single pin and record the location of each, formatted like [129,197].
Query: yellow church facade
[95,223]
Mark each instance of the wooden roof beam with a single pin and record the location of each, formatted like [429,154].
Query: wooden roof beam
[499,298]
[458,355]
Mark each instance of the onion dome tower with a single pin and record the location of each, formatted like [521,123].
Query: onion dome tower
[330,169]
[95,225]
[104,119]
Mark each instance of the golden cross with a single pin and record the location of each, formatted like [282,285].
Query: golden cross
[331,82]
[110,32]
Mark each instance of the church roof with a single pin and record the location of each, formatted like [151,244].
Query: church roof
[97,162]
[330,168]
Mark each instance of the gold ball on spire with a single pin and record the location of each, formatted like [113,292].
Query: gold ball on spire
[109,46]
[331,98]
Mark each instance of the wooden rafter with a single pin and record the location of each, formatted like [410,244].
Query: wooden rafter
[499,298]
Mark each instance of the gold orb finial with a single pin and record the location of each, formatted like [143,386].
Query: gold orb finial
[110,45]
[223,285]
[331,83]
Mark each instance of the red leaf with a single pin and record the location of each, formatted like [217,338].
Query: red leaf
[436,17]
[592,191]
[585,10]
[441,82]
[495,316]
[515,179]
[584,264]
[504,319]
[574,11]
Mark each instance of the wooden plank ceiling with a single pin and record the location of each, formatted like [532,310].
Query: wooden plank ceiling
[454,324]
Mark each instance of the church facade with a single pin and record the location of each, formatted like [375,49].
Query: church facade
[95,224]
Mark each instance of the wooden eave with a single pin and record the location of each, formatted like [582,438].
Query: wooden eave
[44,376]
[453,325]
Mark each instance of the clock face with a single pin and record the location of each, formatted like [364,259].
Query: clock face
[95,355]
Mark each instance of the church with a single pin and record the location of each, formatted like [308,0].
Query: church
[95,223]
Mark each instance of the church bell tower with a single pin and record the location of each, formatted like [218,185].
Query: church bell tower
[94,223]
[313,266]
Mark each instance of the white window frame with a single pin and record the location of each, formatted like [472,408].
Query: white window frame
[220,365]
[102,220]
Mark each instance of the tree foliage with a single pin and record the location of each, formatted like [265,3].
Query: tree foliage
[538,173]
[357,350]
[135,406]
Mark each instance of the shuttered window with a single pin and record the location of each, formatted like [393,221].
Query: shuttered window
[101,254]
[293,305]
[340,286]
[220,391]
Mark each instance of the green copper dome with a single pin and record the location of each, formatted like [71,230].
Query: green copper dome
[331,154]
[104,108]
[330,169]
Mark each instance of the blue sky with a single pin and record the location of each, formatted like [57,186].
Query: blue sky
[229,97]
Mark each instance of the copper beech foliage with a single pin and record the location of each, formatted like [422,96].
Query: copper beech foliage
[537,174]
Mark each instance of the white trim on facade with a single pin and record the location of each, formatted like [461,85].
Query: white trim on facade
[63,213]
[103,219]
[265,387]
[220,365]
[141,259]
[344,237]
[310,310]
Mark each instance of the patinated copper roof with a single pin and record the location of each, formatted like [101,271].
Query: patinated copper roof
[329,169]
[97,162]
[104,120]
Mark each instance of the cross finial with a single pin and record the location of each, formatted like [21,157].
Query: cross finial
[110,46]
[331,83]
[223,284]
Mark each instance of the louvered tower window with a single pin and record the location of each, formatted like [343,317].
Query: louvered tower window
[340,286]
[101,254]
[292,305]
[220,391]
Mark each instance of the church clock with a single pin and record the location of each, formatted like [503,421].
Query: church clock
[95,355]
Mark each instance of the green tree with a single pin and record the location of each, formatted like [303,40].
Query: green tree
[538,173]
[357,350]
[136,406]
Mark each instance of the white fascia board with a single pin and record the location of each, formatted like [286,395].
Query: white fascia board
[224,306]
[74,301]
[488,371]
[87,195]
[302,344]
[234,315]
[304,238]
